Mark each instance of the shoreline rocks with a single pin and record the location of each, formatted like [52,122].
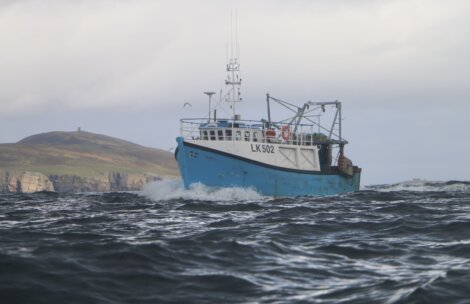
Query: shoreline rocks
[29,182]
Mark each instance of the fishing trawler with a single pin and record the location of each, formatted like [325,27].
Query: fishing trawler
[288,157]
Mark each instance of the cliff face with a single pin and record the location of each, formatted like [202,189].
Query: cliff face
[24,182]
[27,182]
[80,162]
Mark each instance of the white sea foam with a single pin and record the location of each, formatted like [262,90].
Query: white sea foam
[420,185]
[174,189]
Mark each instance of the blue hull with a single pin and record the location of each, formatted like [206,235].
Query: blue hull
[215,169]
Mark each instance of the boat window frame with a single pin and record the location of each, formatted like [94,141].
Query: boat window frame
[238,135]
[228,134]
[247,135]
[212,135]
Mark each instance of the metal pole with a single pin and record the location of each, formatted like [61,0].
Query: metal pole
[340,121]
[333,124]
[210,96]
[269,111]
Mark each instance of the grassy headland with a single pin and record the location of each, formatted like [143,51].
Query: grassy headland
[84,154]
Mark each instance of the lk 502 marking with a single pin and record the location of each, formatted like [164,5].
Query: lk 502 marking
[262,148]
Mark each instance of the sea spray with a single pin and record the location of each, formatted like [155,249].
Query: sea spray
[174,189]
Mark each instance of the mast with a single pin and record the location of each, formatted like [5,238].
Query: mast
[233,81]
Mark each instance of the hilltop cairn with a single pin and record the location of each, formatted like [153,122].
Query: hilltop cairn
[29,182]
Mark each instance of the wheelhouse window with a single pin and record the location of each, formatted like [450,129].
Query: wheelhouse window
[228,134]
[220,134]
[247,135]
[212,133]
[238,135]
[204,135]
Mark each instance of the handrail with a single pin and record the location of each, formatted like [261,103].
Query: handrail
[252,131]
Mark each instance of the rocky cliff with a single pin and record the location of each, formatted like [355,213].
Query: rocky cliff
[28,182]
[80,162]
[24,182]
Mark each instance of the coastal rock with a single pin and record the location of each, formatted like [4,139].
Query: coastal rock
[25,182]
[73,183]
[34,182]
[137,182]
[7,182]
[114,181]
[130,182]
[28,182]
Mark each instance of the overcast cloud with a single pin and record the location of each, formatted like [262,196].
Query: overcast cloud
[125,68]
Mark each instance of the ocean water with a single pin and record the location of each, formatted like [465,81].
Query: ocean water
[402,243]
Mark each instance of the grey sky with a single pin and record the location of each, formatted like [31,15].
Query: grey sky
[125,68]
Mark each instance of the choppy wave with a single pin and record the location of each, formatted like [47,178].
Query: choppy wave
[173,189]
[402,243]
[420,185]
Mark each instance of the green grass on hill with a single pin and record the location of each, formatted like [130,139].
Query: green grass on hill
[84,154]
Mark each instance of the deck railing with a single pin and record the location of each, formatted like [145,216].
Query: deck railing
[252,131]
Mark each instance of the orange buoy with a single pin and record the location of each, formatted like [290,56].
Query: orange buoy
[270,133]
[285,132]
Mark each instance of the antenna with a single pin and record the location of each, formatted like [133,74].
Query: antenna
[210,96]
[233,80]
[237,47]
[231,34]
